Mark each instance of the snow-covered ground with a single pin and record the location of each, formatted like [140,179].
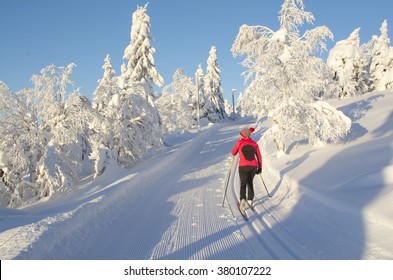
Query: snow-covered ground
[331,202]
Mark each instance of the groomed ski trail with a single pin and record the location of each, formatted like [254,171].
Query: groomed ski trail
[178,214]
[166,207]
[170,207]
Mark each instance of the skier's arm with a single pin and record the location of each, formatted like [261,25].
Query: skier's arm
[235,149]
[259,157]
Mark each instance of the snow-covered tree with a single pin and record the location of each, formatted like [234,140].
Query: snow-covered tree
[107,89]
[175,104]
[106,103]
[139,53]
[240,105]
[139,118]
[212,87]
[139,129]
[63,118]
[46,136]
[198,100]
[381,66]
[349,66]
[128,123]
[207,108]
[287,78]
[229,109]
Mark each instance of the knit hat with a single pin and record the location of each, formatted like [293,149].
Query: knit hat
[246,132]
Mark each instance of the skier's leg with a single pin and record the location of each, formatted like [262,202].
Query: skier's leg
[250,183]
[243,182]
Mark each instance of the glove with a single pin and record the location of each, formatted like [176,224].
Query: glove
[259,170]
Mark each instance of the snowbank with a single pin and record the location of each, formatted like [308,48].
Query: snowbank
[351,182]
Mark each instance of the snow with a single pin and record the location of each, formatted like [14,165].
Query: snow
[328,202]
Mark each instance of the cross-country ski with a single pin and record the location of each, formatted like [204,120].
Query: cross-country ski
[251,206]
[242,211]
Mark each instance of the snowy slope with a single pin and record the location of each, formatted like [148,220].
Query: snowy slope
[328,202]
[339,195]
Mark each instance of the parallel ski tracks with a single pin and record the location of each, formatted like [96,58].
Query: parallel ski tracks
[284,234]
[263,231]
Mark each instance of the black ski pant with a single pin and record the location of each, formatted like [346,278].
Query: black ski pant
[246,174]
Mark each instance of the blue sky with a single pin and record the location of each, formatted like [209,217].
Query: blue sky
[34,34]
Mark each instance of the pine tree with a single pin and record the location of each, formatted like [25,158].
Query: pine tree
[140,118]
[349,66]
[128,123]
[106,103]
[107,88]
[139,53]
[199,101]
[175,104]
[381,67]
[212,87]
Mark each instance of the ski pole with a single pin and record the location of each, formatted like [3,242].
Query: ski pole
[263,181]
[227,182]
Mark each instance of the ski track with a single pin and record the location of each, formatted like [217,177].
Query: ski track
[304,236]
[203,229]
[175,212]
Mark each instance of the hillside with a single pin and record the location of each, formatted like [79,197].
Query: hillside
[327,202]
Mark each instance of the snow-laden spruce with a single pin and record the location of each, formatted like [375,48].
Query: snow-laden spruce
[349,66]
[186,101]
[381,66]
[139,53]
[212,88]
[140,120]
[287,78]
[128,124]
[209,91]
[359,69]
[177,105]
[106,130]
[44,138]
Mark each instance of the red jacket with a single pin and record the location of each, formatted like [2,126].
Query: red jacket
[248,149]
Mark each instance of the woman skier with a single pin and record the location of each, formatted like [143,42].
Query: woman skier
[250,163]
